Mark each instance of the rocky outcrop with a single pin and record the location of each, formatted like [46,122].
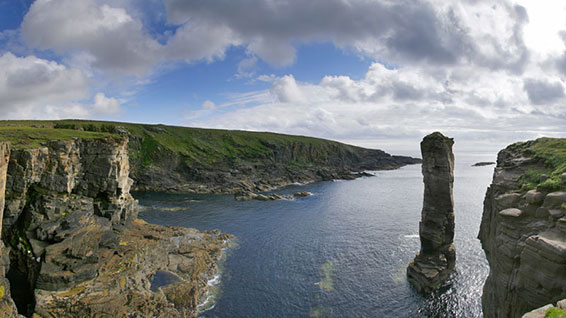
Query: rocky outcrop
[77,248]
[483,163]
[548,311]
[7,307]
[247,196]
[523,234]
[436,259]
[272,161]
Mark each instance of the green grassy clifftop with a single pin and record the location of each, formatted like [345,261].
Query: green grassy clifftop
[170,158]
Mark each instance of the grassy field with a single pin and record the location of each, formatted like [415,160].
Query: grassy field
[197,146]
[22,137]
[552,152]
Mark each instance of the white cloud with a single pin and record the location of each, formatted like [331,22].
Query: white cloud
[105,105]
[29,83]
[407,32]
[34,88]
[286,90]
[115,41]
[404,104]
[208,105]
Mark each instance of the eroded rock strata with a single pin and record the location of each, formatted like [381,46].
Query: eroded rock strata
[436,259]
[523,230]
[77,247]
[7,307]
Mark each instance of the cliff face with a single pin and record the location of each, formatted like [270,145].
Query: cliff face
[7,307]
[523,229]
[436,259]
[280,164]
[184,159]
[231,161]
[77,248]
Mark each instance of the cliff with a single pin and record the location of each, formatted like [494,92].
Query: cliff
[7,307]
[182,159]
[437,257]
[77,248]
[523,229]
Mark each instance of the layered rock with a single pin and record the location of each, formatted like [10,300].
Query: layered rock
[221,163]
[7,307]
[76,244]
[436,259]
[523,234]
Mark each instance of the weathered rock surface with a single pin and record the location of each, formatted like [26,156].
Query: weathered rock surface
[75,239]
[276,168]
[7,307]
[523,234]
[436,259]
[541,312]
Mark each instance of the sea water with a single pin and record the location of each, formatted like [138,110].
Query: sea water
[341,252]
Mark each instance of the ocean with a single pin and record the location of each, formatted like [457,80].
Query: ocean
[341,252]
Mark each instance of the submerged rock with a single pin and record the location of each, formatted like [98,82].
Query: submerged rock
[436,259]
[248,195]
[483,163]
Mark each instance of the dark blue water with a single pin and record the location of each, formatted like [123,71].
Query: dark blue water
[339,253]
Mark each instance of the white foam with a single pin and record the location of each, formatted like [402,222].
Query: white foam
[214,281]
[412,236]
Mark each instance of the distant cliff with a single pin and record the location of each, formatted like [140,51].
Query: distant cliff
[523,229]
[181,159]
[77,248]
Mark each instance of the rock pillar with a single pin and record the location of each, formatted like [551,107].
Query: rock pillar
[437,257]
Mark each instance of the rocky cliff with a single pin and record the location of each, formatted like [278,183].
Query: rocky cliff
[7,307]
[523,229]
[77,248]
[183,159]
[437,257]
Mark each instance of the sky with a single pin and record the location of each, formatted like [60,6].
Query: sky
[374,73]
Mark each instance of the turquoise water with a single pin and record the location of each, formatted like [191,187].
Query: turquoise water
[339,253]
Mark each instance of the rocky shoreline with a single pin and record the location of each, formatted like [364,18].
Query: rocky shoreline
[76,247]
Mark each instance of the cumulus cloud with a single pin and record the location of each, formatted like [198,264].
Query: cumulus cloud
[34,88]
[405,32]
[286,90]
[402,32]
[404,104]
[28,82]
[115,41]
[105,105]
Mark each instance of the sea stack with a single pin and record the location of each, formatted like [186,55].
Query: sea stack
[437,257]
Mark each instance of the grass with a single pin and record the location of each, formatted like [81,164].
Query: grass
[196,146]
[552,153]
[555,313]
[22,137]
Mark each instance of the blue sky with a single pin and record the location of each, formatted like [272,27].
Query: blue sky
[372,73]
